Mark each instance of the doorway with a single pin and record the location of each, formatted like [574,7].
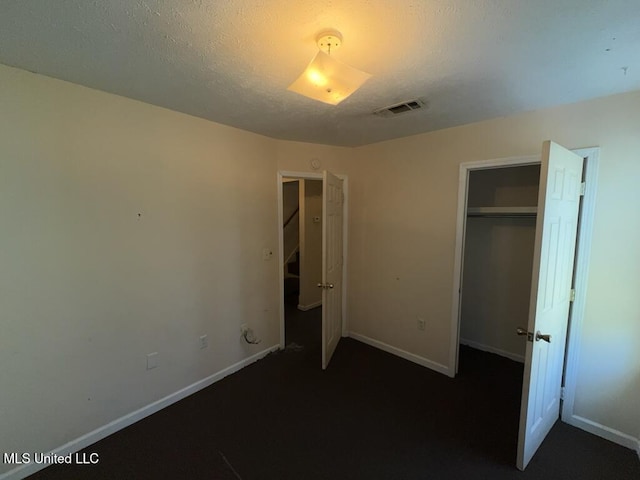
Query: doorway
[320,260]
[505,224]
[302,266]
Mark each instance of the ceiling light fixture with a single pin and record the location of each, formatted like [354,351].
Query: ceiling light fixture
[327,79]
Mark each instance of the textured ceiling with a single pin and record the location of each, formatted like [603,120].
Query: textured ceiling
[232,61]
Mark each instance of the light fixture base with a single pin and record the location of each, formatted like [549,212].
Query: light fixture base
[329,40]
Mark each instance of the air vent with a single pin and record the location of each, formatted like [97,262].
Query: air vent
[401,108]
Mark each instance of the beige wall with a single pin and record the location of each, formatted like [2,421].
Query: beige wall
[296,157]
[290,199]
[402,200]
[88,287]
[310,243]
[291,232]
[496,285]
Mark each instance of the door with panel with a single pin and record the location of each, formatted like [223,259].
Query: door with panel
[332,259]
[554,253]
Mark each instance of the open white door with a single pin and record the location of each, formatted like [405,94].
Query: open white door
[554,252]
[332,205]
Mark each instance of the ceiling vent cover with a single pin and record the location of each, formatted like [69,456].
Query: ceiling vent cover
[401,108]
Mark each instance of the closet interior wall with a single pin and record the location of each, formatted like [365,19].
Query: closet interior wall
[498,258]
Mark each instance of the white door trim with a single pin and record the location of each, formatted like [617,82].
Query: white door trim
[583,255]
[581,273]
[345,222]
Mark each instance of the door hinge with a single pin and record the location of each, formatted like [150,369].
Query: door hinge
[572,295]
[583,188]
[562,390]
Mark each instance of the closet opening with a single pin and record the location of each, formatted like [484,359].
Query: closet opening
[500,229]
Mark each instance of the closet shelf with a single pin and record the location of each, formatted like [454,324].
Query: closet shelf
[502,211]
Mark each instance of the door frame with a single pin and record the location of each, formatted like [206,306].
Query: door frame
[581,268]
[345,217]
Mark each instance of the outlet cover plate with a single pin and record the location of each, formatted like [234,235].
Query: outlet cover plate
[152,360]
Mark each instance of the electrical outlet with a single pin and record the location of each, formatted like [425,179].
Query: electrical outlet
[204,341]
[152,360]
[421,323]
[267,253]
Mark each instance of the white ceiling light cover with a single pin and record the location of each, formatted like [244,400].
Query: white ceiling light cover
[328,80]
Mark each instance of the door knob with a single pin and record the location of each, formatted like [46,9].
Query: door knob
[540,336]
[523,331]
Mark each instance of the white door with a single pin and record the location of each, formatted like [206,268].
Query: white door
[554,251]
[332,204]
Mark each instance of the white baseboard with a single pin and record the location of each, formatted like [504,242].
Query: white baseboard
[607,433]
[304,308]
[412,357]
[102,432]
[490,349]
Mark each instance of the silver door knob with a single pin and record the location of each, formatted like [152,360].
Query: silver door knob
[523,331]
[540,336]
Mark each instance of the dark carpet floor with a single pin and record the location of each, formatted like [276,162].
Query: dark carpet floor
[369,416]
